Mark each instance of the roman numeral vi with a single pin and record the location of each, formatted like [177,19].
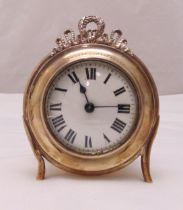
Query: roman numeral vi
[88,142]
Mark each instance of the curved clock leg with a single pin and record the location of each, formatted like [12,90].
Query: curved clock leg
[41,162]
[41,167]
[145,163]
[145,157]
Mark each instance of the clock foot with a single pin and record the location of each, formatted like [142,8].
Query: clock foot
[39,157]
[145,165]
[41,168]
[145,157]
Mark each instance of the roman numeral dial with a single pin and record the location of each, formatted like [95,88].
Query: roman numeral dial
[91,107]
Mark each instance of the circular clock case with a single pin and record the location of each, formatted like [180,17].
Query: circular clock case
[60,155]
[91,120]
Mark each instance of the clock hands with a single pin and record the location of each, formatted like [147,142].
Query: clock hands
[90,107]
[122,108]
[82,88]
[83,91]
[105,106]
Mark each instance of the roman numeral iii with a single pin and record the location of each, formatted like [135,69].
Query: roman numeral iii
[118,125]
[124,108]
[59,122]
[88,142]
[119,91]
[90,73]
[70,136]
[73,77]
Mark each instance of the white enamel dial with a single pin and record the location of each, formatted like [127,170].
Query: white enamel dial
[91,107]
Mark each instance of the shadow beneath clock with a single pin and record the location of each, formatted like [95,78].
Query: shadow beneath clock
[130,172]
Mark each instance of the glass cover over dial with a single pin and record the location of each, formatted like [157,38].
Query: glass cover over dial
[91,107]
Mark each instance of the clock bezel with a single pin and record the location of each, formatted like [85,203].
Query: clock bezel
[73,151]
[97,164]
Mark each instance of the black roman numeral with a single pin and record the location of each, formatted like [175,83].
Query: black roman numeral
[107,78]
[55,107]
[118,125]
[106,138]
[70,136]
[73,77]
[61,89]
[88,142]
[119,91]
[91,73]
[59,122]
[123,108]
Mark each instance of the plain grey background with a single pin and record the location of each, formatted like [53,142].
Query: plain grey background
[154,30]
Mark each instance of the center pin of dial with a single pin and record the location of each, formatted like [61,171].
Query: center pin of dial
[89,107]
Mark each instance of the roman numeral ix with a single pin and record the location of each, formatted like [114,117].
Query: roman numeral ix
[70,136]
[59,122]
[118,125]
[90,73]
[119,91]
[124,108]
[88,142]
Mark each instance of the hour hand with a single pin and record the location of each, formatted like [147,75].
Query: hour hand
[82,88]
[83,91]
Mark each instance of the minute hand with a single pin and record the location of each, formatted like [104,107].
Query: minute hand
[122,108]
[105,106]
